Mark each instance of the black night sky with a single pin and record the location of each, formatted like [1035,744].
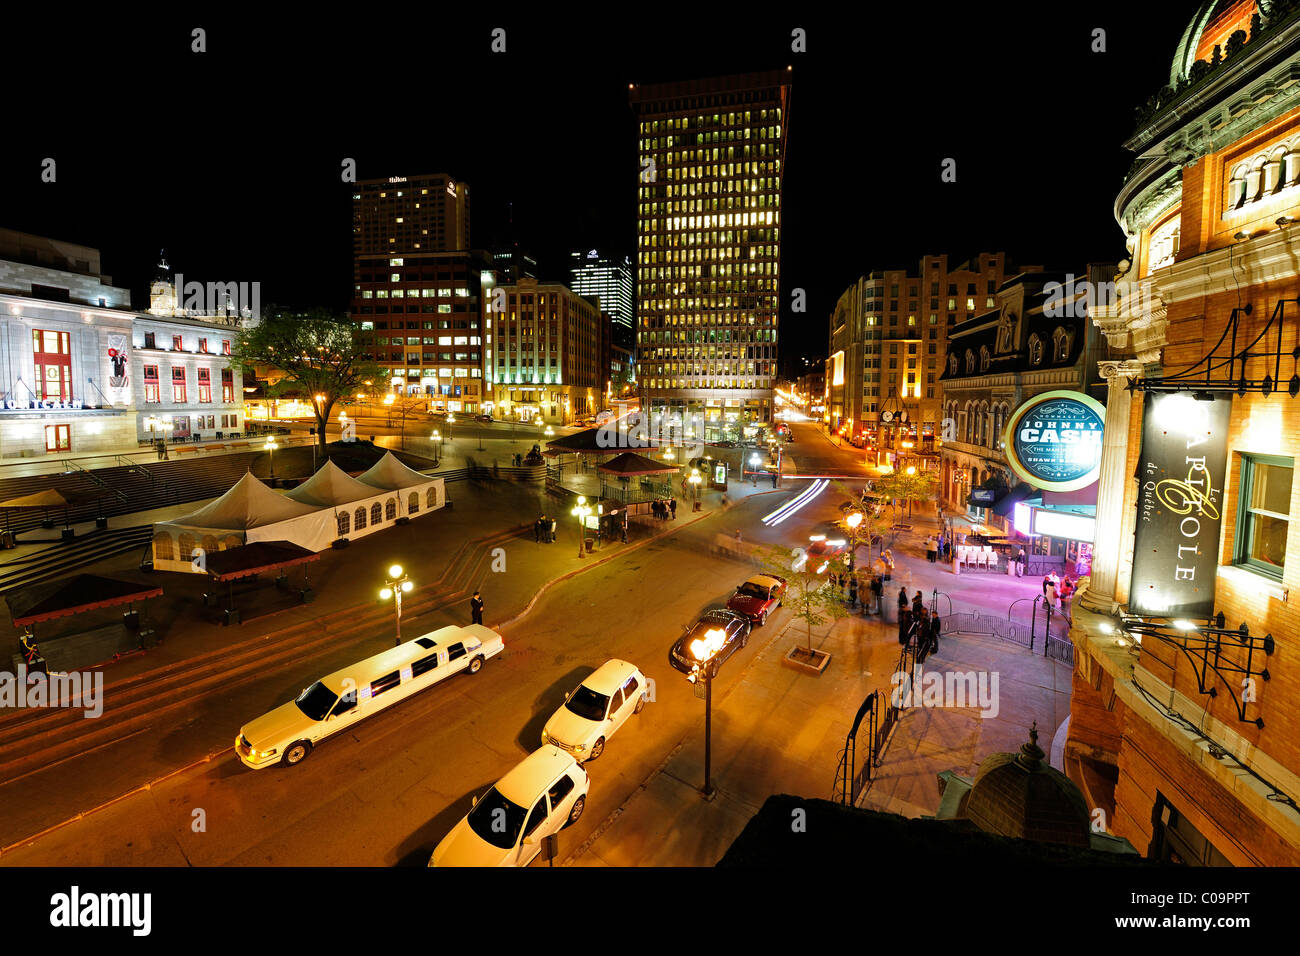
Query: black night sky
[231,159]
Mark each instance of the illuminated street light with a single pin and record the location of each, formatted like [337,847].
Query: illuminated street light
[270,448]
[397,584]
[694,479]
[580,511]
[437,440]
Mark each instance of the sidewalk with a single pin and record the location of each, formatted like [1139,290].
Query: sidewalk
[778,730]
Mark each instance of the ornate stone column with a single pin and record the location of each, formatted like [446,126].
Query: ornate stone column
[1100,595]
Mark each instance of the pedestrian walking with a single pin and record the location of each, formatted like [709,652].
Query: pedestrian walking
[537,530]
[934,633]
[773,479]
[672,506]
[1020,564]
[551,535]
[877,590]
[476,608]
[918,603]
[1047,580]
[931,549]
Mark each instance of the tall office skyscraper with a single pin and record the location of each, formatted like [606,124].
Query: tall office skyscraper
[709,245]
[609,278]
[418,288]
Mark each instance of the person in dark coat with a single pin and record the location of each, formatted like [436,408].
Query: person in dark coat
[918,604]
[537,530]
[934,633]
[877,592]
[476,608]
[904,616]
[672,506]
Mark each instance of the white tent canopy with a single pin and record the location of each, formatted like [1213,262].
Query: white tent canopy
[327,507]
[390,473]
[332,486]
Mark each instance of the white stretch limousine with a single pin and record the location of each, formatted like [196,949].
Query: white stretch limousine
[287,734]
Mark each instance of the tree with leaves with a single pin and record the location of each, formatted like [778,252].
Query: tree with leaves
[811,597]
[315,352]
[900,486]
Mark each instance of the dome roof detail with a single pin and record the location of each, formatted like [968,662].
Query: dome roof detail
[1215,21]
[1020,795]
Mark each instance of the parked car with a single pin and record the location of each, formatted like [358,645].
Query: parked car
[724,444]
[483,418]
[735,629]
[337,702]
[543,794]
[596,709]
[758,597]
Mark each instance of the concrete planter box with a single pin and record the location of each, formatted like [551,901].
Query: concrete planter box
[797,657]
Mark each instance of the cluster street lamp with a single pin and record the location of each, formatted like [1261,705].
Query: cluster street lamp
[451,420]
[853,521]
[395,586]
[580,511]
[704,650]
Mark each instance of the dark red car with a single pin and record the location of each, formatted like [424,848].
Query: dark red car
[758,597]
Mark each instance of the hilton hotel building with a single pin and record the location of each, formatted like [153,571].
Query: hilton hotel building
[709,245]
[418,288]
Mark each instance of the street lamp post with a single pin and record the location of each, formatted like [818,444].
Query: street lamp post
[437,447]
[754,462]
[270,448]
[580,511]
[694,479]
[397,584]
[853,521]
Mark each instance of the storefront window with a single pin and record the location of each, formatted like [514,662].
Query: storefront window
[52,361]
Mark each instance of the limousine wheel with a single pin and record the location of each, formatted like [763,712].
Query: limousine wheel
[475,664]
[296,753]
[576,812]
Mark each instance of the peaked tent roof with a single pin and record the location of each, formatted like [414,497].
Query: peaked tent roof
[249,504]
[630,463]
[390,474]
[331,485]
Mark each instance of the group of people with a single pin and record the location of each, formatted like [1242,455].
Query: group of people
[544,529]
[938,548]
[664,508]
[917,623]
[1058,591]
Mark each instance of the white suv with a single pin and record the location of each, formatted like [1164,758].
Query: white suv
[596,709]
[542,795]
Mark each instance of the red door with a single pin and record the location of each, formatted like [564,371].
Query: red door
[58,437]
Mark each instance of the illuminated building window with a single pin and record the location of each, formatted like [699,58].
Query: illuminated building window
[1263,514]
[1035,350]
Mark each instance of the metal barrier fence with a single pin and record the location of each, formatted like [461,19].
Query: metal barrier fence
[1017,632]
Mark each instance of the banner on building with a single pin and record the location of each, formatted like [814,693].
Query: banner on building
[1181,475]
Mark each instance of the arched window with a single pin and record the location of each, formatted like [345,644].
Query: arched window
[162,546]
[970,362]
[390,509]
[359,519]
[984,358]
[376,513]
[413,503]
[431,497]
[952,365]
[1060,345]
[231,541]
[210,545]
[187,543]
[345,523]
[1035,350]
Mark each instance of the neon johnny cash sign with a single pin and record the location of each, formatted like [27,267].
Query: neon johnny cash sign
[1181,474]
[1053,441]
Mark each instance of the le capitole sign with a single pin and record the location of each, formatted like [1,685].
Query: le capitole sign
[1181,473]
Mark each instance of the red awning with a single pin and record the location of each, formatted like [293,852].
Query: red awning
[75,595]
[251,559]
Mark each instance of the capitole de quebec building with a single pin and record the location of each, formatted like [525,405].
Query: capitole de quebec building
[1185,722]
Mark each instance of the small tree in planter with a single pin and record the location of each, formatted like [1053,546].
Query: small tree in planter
[811,597]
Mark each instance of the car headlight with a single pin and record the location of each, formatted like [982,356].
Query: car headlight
[259,754]
[546,738]
[580,748]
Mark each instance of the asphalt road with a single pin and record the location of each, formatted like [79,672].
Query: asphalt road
[389,790]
